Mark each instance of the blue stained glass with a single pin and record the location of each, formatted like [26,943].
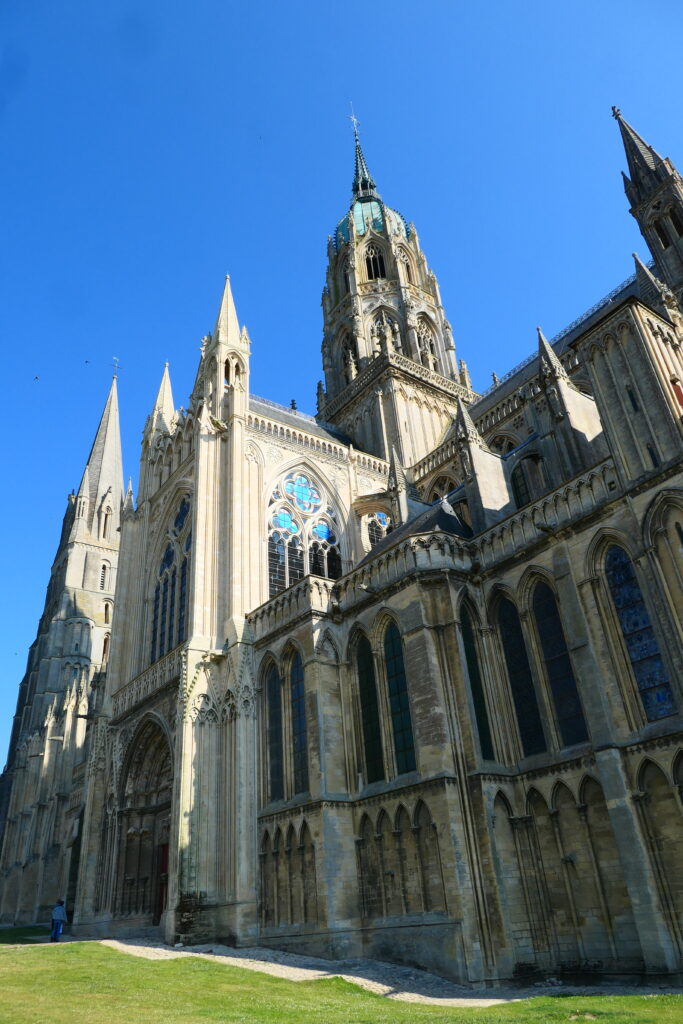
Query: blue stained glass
[182,515]
[303,493]
[639,637]
[323,531]
[167,560]
[382,518]
[283,520]
[188,542]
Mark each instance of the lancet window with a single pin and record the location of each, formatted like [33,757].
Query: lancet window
[521,682]
[169,603]
[558,666]
[427,344]
[302,534]
[648,667]
[401,723]
[404,259]
[476,685]
[285,727]
[374,262]
[369,707]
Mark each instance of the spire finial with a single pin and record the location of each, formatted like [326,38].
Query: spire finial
[363,182]
[616,113]
[115,363]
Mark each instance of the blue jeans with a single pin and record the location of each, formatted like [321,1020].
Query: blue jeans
[56,930]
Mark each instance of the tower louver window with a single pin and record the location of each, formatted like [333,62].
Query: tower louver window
[374,262]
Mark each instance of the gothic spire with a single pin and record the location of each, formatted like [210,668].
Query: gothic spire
[549,363]
[103,473]
[645,166]
[363,181]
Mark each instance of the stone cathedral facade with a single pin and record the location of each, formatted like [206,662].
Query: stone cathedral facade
[403,679]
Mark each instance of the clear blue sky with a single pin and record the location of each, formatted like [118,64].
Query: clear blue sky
[149,148]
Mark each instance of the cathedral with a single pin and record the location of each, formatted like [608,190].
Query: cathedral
[403,679]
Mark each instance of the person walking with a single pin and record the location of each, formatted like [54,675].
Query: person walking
[59,919]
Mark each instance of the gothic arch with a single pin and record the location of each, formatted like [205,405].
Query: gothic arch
[532,575]
[656,514]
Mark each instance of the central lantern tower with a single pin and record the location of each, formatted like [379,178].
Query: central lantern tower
[391,376]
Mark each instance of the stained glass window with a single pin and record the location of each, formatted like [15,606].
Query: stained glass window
[379,525]
[369,709]
[298,543]
[648,667]
[171,612]
[476,685]
[404,745]
[521,683]
[558,666]
[275,752]
[303,493]
[299,746]
[164,610]
[181,516]
[182,604]
[155,621]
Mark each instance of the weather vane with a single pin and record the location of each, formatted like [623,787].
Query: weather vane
[115,364]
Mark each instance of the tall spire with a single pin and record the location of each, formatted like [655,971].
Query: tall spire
[363,181]
[646,167]
[103,474]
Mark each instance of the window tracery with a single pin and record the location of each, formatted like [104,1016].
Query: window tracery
[169,608]
[521,682]
[302,534]
[404,259]
[426,343]
[442,486]
[560,673]
[639,637]
[378,526]
[374,262]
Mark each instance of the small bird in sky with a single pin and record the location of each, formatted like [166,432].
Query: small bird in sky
[36,378]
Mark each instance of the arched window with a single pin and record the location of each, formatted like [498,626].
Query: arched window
[502,444]
[399,702]
[346,281]
[105,647]
[369,709]
[104,576]
[427,344]
[276,785]
[302,535]
[442,486]
[676,222]
[662,234]
[528,480]
[570,720]
[404,260]
[107,613]
[299,740]
[476,685]
[374,262]
[169,616]
[642,648]
[379,525]
[521,683]
[106,523]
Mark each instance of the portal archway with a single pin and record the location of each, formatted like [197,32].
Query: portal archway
[145,818]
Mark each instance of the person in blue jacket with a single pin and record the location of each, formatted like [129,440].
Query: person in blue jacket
[59,919]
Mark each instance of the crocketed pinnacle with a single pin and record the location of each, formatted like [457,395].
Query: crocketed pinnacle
[645,166]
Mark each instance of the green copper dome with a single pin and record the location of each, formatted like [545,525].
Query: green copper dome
[370,213]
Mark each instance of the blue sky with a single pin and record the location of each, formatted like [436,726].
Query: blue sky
[150,148]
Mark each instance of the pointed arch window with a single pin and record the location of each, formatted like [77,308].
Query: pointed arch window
[299,733]
[639,637]
[404,260]
[427,344]
[276,790]
[441,487]
[402,726]
[528,480]
[676,222]
[521,683]
[105,571]
[476,684]
[662,233]
[374,262]
[379,525]
[170,606]
[303,537]
[369,709]
[558,666]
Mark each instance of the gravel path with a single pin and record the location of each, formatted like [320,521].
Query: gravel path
[405,983]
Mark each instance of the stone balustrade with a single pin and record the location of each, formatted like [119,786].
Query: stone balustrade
[165,670]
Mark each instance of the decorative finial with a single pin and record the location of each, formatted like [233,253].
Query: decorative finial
[354,121]
[616,113]
[115,364]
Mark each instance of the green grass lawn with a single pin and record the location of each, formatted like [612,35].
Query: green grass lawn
[86,983]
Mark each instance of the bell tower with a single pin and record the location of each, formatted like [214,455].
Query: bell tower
[391,375]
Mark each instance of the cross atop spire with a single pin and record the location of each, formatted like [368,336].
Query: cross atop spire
[363,181]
